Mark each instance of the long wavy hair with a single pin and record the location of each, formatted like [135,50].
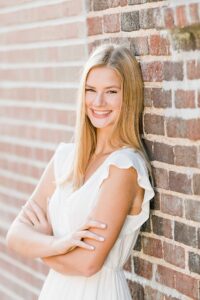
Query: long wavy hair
[122,61]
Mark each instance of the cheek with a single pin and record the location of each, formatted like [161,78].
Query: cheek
[88,100]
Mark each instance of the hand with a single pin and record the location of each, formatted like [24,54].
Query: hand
[65,244]
[33,215]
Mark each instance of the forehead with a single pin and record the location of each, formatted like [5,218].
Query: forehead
[104,75]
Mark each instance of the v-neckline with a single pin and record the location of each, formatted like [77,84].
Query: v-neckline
[101,165]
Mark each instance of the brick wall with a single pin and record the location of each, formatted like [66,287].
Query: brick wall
[40,58]
[165,37]
[42,47]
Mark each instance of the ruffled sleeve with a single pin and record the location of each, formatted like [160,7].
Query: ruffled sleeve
[125,159]
[61,155]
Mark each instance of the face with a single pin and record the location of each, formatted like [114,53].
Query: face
[103,96]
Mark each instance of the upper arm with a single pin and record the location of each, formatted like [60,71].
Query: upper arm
[43,189]
[114,201]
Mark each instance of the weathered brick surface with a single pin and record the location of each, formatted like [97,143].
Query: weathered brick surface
[130,21]
[173,279]
[154,124]
[162,226]
[185,234]
[186,156]
[152,247]
[194,262]
[180,182]
[165,38]
[172,205]
[143,268]
[174,254]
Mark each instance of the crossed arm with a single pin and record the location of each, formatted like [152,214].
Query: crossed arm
[114,201]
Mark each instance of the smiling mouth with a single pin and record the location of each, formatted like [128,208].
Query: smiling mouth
[100,113]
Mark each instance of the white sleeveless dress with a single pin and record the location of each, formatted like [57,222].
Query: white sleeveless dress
[68,210]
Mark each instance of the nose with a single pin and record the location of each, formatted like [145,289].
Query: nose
[99,99]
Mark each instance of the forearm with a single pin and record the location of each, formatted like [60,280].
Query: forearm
[75,262]
[27,242]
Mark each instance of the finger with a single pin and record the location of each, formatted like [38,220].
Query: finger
[89,234]
[83,244]
[48,215]
[93,223]
[38,211]
[31,215]
[24,220]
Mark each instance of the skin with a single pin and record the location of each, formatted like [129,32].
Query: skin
[103,92]
[31,233]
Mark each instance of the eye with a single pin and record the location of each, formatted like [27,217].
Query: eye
[112,92]
[89,90]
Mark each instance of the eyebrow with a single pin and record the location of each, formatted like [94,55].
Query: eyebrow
[108,87]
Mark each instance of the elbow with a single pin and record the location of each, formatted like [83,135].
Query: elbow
[9,240]
[91,270]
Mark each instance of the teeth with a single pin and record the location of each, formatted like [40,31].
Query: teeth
[102,112]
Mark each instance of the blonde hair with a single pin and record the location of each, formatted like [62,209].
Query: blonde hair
[121,60]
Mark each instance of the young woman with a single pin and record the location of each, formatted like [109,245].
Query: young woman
[103,177]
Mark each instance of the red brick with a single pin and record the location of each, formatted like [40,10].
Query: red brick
[177,127]
[173,71]
[42,34]
[169,18]
[139,45]
[198,98]
[148,18]
[152,246]
[111,23]
[142,267]
[196,184]
[185,156]
[161,178]
[152,71]
[48,54]
[194,262]
[94,25]
[100,5]
[183,283]
[136,289]
[123,2]
[158,18]
[127,266]
[162,226]
[180,182]
[193,69]
[184,99]
[171,205]
[192,209]
[42,13]
[154,124]
[181,16]
[152,294]
[161,98]
[158,45]
[41,74]
[146,227]
[130,21]
[138,245]
[114,3]
[185,234]
[165,276]
[155,204]
[193,9]
[163,152]
[187,285]
[174,255]
[147,97]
